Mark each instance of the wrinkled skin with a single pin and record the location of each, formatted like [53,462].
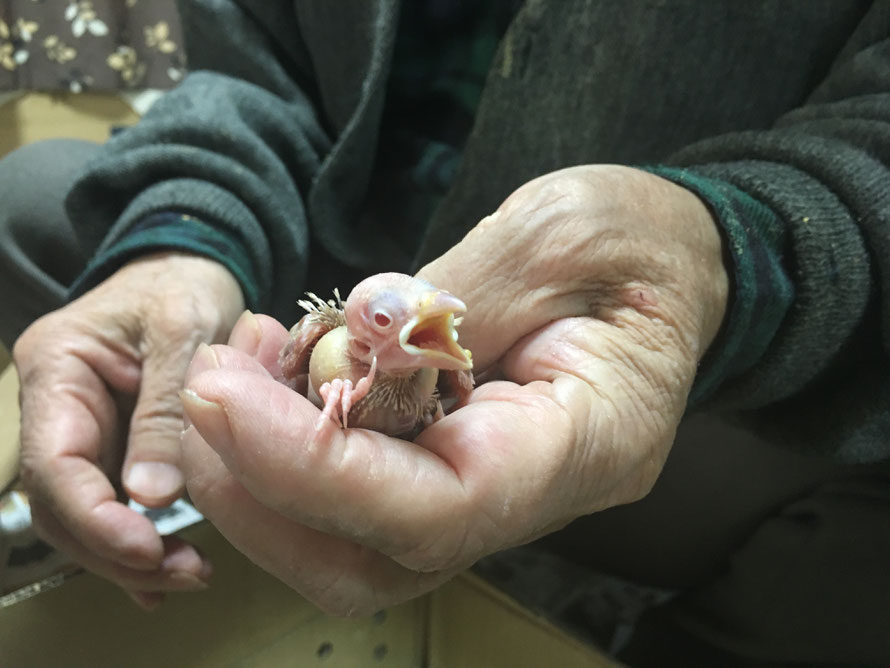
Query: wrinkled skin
[593,292]
[100,411]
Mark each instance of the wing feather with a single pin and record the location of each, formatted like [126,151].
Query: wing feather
[321,317]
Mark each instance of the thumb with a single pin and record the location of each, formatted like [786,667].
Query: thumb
[152,472]
[486,271]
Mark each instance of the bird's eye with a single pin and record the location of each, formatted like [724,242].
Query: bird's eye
[382,319]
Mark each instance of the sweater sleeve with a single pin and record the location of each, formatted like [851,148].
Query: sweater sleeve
[760,289]
[231,152]
[824,170]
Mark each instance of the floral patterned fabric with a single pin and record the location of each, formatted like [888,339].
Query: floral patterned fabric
[78,45]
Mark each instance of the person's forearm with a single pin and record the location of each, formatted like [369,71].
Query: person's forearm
[235,147]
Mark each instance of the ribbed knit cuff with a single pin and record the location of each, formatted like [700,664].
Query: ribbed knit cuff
[172,231]
[761,291]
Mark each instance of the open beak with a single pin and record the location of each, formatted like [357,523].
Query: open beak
[431,333]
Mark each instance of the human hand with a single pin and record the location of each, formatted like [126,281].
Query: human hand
[101,416]
[594,291]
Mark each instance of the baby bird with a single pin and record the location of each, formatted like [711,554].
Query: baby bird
[384,359]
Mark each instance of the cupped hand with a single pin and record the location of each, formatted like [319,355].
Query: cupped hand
[592,294]
[101,418]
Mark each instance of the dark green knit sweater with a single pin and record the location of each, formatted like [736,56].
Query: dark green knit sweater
[777,113]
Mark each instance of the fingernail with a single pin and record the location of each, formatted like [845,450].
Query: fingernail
[154,480]
[187,559]
[206,570]
[203,360]
[186,581]
[208,417]
[246,334]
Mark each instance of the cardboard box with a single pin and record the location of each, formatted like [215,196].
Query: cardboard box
[33,116]
[247,618]
[9,427]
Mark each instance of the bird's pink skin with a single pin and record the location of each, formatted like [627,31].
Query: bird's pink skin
[391,326]
[385,311]
[382,313]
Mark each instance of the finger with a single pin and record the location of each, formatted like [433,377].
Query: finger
[510,271]
[339,576]
[612,383]
[218,356]
[497,319]
[576,346]
[634,366]
[261,337]
[221,356]
[472,474]
[68,419]
[151,472]
[181,568]
[258,413]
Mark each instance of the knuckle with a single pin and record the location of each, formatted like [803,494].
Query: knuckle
[176,327]
[157,420]
[159,431]
[163,405]
[32,338]
[344,594]
[445,551]
[181,310]
[173,335]
[422,561]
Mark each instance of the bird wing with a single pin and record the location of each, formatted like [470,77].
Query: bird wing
[404,404]
[455,385]
[399,404]
[321,317]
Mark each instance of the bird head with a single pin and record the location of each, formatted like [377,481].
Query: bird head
[406,323]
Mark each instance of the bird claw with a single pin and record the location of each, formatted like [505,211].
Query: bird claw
[344,393]
[330,395]
[346,400]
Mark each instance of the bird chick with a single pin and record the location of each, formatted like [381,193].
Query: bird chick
[384,359]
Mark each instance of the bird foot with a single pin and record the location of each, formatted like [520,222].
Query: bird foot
[344,393]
